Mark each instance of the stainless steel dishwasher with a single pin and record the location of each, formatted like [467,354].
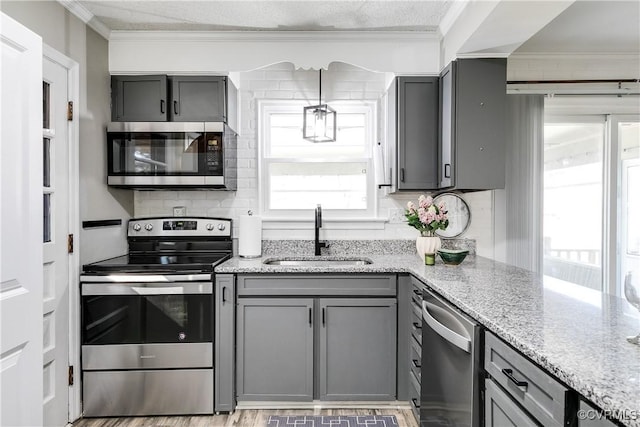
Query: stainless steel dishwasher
[451,349]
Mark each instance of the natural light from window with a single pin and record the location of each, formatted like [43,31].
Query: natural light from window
[573,202]
[299,174]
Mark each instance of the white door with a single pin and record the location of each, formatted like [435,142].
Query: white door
[20,226]
[55,189]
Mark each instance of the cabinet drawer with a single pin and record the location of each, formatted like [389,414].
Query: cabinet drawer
[540,394]
[317,285]
[415,360]
[416,347]
[414,396]
[416,332]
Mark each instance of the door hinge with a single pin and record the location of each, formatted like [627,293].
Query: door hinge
[70,110]
[70,243]
[70,375]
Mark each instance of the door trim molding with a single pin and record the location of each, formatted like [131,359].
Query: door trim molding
[73,82]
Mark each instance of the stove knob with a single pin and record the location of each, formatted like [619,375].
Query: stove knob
[209,227]
[148,227]
[221,227]
[137,227]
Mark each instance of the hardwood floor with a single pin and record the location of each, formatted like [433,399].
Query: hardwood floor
[240,418]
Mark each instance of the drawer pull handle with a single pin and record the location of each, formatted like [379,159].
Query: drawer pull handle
[509,374]
[414,402]
[417,326]
[416,364]
[417,292]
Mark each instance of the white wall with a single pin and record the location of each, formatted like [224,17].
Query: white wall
[64,32]
[282,81]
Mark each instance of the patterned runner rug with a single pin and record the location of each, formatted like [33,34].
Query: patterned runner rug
[332,421]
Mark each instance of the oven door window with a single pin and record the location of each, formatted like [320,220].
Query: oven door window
[136,319]
[156,153]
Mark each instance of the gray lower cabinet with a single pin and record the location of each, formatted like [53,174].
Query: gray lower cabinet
[224,343]
[354,341]
[275,349]
[357,349]
[501,410]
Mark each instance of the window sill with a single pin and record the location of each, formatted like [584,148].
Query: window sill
[280,223]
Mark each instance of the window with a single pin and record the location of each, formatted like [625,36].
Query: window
[297,175]
[573,202]
[591,198]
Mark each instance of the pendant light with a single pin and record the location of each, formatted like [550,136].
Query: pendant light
[319,124]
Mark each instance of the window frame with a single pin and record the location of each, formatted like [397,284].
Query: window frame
[268,107]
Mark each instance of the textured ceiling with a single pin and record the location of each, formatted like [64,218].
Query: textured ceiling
[270,15]
[590,26]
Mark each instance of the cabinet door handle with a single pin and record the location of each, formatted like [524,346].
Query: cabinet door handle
[162,106]
[224,299]
[175,107]
[509,374]
[401,174]
[417,326]
[323,317]
[417,292]
[416,364]
[447,170]
[414,402]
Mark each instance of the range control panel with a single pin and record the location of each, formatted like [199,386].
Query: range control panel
[178,227]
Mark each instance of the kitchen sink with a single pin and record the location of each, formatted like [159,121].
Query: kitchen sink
[317,261]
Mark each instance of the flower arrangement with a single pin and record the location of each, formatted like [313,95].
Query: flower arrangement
[427,217]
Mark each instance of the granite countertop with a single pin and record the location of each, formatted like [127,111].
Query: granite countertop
[582,341]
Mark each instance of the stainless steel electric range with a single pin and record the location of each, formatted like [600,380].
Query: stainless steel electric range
[147,319]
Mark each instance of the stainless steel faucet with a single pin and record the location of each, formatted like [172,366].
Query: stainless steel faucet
[318,244]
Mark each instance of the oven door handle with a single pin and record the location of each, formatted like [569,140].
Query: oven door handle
[173,288]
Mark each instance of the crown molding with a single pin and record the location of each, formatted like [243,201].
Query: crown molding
[87,17]
[271,36]
[575,55]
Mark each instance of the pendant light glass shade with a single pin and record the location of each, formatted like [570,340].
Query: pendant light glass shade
[319,124]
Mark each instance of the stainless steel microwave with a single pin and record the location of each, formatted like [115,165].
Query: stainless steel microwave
[156,155]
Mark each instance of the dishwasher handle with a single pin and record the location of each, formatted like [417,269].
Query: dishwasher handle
[462,342]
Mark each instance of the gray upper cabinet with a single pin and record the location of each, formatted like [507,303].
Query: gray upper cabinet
[197,98]
[473,129]
[175,98]
[417,133]
[357,349]
[275,349]
[139,98]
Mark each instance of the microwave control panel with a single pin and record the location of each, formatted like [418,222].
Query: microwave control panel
[213,152]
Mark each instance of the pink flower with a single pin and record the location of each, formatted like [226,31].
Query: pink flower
[422,202]
[411,207]
[442,207]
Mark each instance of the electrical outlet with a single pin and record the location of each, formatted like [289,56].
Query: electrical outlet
[179,211]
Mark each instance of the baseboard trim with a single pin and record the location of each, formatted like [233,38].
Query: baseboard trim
[318,405]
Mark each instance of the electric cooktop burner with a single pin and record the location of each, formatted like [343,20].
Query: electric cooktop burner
[170,245]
